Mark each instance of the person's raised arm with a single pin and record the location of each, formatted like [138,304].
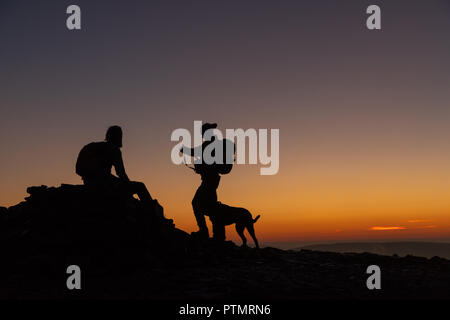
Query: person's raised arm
[192,151]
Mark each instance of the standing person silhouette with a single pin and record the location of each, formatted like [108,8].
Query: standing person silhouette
[205,199]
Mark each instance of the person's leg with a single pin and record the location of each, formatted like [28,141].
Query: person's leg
[198,213]
[200,218]
[139,188]
[218,231]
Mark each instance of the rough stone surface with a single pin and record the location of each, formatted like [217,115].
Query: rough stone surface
[126,252]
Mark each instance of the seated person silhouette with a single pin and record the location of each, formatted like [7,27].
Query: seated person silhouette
[94,164]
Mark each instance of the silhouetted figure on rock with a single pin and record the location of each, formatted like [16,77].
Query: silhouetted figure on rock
[205,198]
[205,201]
[94,164]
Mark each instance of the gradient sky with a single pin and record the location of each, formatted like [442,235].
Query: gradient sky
[363,115]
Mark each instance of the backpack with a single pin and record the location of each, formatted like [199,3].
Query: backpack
[92,159]
[227,162]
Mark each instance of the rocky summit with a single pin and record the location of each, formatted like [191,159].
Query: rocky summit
[126,250]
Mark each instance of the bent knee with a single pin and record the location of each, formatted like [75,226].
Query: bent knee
[137,184]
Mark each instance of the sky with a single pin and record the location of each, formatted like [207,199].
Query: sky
[363,115]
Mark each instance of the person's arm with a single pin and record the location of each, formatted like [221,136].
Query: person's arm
[119,166]
[193,151]
[187,150]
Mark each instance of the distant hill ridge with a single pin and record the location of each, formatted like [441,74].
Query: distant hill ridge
[404,248]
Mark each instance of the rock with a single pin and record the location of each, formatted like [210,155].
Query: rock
[74,219]
[126,249]
[3,218]
[3,213]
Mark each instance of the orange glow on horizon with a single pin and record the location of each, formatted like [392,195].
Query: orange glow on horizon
[386,228]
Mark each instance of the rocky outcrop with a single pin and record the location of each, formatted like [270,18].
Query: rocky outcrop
[126,251]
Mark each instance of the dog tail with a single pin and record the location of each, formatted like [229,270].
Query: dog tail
[256,219]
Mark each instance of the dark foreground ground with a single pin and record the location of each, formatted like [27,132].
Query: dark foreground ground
[242,274]
[125,255]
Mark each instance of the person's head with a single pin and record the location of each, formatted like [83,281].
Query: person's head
[207,126]
[114,136]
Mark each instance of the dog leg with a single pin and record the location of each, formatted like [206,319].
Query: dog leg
[240,230]
[251,231]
